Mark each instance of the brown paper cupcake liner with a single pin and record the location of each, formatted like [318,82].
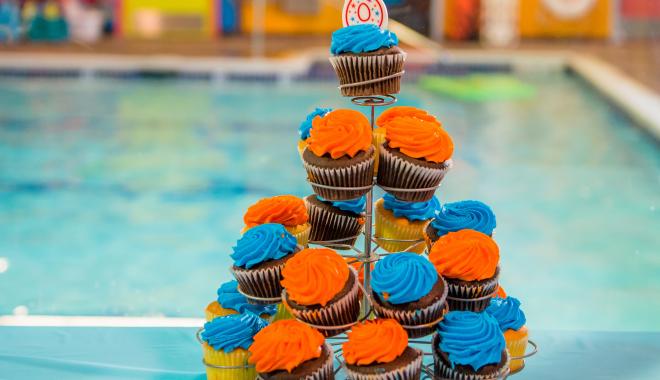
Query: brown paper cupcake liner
[342,313]
[333,227]
[397,173]
[419,317]
[358,179]
[325,372]
[369,75]
[473,296]
[442,371]
[411,371]
[263,283]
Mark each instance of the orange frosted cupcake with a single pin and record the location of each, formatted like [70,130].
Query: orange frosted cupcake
[378,350]
[321,289]
[291,350]
[339,153]
[416,155]
[287,210]
[391,114]
[468,260]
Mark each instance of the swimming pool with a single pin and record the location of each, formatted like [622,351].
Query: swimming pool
[125,197]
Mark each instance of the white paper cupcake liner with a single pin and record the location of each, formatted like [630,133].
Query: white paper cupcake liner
[471,296]
[358,178]
[341,313]
[411,371]
[443,371]
[397,173]
[330,226]
[369,74]
[409,318]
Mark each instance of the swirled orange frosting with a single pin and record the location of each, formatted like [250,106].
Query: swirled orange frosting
[500,293]
[404,111]
[377,341]
[283,209]
[284,345]
[314,276]
[419,139]
[467,255]
[340,132]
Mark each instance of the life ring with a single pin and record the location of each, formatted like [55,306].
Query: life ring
[569,9]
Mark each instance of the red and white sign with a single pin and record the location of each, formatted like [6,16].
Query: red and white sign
[365,12]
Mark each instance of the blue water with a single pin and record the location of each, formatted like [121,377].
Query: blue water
[125,197]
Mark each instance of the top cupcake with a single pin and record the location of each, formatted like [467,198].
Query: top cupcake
[287,210]
[306,125]
[233,331]
[377,341]
[456,216]
[418,138]
[284,345]
[362,38]
[340,133]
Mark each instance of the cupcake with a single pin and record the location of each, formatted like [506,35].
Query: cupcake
[391,114]
[225,343]
[291,350]
[321,289]
[339,153]
[406,287]
[468,260]
[259,257]
[378,350]
[415,156]
[463,215]
[511,319]
[367,60]
[286,210]
[469,346]
[396,219]
[230,301]
[306,126]
[335,221]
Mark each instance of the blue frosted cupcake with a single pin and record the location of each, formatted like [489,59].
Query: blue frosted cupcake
[511,319]
[406,287]
[367,60]
[259,257]
[339,222]
[469,346]
[306,127]
[225,343]
[230,301]
[463,215]
[401,220]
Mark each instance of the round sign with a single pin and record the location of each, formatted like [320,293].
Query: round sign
[365,12]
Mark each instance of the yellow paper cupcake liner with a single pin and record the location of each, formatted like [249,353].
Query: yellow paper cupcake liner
[377,140]
[301,233]
[302,144]
[281,314]
[516,343]
[390,227]
[214,310]
[238,357]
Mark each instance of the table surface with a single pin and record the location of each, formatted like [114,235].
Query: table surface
[173,353]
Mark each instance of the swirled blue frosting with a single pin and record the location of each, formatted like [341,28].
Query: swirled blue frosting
[306,125]
[230,298]
[473,215]
[233,331]
[261,243]
[472,339]
[361,38]
[507,313]
[403,277]
[356,205]
[411,210]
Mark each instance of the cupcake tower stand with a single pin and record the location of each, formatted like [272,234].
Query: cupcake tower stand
[367,257]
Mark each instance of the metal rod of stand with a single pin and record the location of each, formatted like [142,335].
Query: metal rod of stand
[367,238]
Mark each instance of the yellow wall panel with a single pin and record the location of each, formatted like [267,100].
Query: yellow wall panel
[538,21]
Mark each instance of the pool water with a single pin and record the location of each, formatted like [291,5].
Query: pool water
[125,197]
